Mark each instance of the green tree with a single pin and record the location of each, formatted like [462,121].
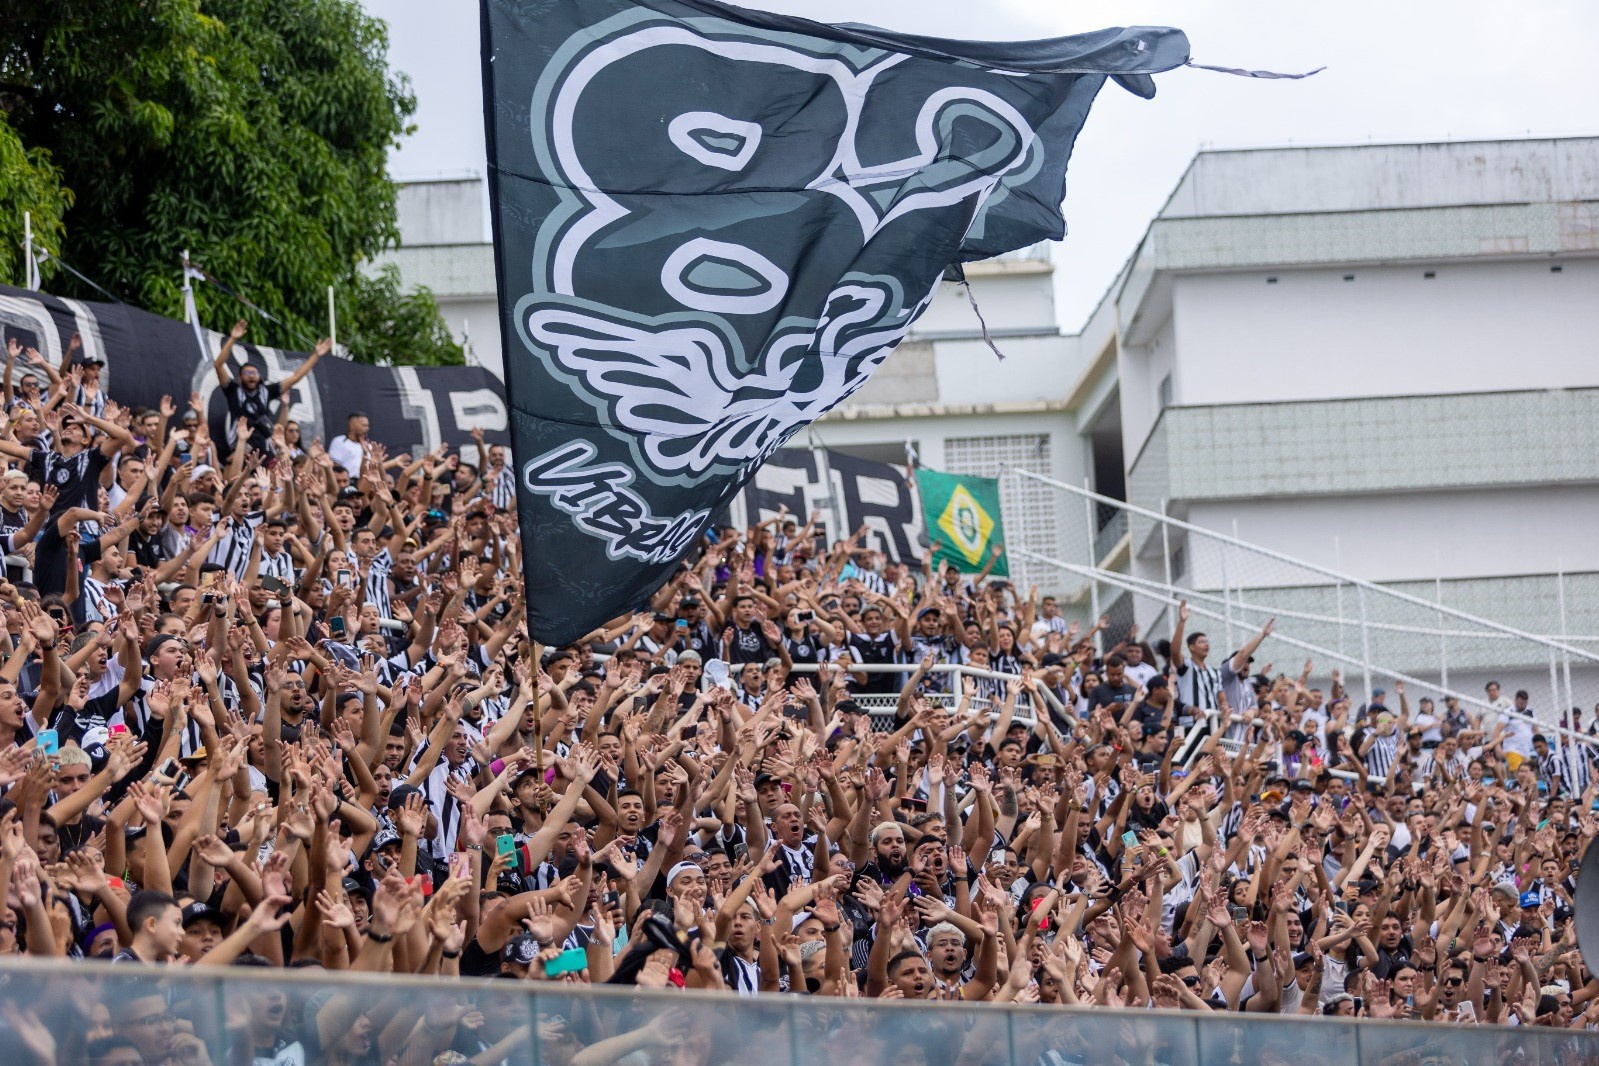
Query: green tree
[253,133]
[394,326]
[28,184]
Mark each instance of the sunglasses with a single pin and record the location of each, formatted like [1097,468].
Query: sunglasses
[1191,982]
[1454,982]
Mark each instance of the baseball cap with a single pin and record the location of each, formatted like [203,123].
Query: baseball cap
[689,601]
[1531,900]
[352,887]
[204,912]
[521,950]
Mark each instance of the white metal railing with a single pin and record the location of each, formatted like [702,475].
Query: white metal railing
[1379,629]
[880,704]
[1171,596]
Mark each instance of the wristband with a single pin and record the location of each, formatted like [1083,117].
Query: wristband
[473,847]
[451,954]
[828,928]
[379,938]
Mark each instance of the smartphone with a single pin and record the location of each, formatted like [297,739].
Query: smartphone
[120,730]
[169,770]
[1129,839]
[423,880]
[505,844]
[336,628]
[804,617]
[1341,906]
[341,577]
[609,899]
[1541,825]
[682,623]
[741,851]
[572,960]
[50,743]
[1240,914]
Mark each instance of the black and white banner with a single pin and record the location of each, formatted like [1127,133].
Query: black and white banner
[712,225]
[148,356]
[850,492]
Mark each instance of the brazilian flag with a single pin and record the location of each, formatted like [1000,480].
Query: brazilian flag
[962,517]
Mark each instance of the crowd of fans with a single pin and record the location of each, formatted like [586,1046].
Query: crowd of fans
[272,703]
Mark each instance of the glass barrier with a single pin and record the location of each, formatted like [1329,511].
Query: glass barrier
[67,1014]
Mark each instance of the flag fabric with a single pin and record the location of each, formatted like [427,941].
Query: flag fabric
[963,520]
[712,225]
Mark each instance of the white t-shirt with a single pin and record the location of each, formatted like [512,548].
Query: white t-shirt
[347,453]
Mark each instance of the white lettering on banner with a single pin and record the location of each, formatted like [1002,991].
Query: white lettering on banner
[601,505]
[416,403]
[480,409]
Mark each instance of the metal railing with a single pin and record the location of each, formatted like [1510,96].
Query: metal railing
[1169,596]
[881,706]
[171,1012]
[1383,630]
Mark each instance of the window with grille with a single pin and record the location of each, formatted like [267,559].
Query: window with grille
[1030,508]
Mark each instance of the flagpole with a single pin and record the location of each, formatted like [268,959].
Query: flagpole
[30,270]
[834,515]
[333,321]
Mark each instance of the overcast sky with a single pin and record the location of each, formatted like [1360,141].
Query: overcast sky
[1400,70]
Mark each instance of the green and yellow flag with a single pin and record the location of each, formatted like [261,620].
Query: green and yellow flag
[962,518]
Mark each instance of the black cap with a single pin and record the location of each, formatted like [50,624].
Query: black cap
[521,950]
[689,601]
[763,779]
[848,707]
[352,887]
[202,912]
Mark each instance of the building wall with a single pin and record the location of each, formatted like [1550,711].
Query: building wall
[1472,327]
[1486,532]
[1275,181]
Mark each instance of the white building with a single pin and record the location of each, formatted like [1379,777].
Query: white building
[1379,359]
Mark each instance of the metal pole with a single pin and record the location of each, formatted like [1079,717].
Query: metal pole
[1165,549]
[1226,600]
[835,517]
[1554,684]
[30,279]
[333,320]
[1365,641]
[1338,592]
[1560,597]
[188,288]
[1093,563]
[1443,638]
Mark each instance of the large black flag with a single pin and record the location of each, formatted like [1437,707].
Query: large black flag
[712,225]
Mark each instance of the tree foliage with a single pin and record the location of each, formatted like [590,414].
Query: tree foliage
[252,133]
[29,184]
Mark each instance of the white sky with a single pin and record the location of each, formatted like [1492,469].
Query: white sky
[1402,70]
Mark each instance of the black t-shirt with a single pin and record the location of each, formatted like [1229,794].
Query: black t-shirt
[50,562]
[76,478]
[254,404]
[883,648]
[1105,695]
[748,646]
[475,962]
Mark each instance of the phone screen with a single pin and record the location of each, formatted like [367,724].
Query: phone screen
[49,742]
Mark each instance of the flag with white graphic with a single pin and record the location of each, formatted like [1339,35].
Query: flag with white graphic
[712,225]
